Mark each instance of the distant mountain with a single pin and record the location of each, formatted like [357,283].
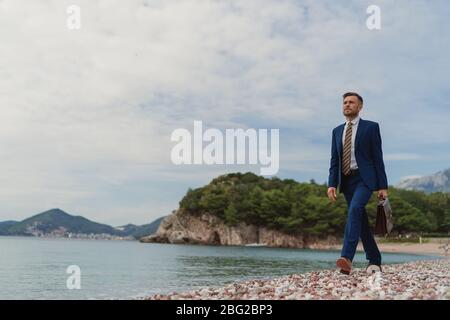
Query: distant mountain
[147,229]
[141,231]
[5,225]
[128,229]
[439,181]
[56,222]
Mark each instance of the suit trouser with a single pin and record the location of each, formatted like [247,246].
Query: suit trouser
[358,195]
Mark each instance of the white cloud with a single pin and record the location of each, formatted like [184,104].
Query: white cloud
[87,114]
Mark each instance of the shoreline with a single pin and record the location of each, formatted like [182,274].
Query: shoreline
[423,249]
[417,280]
[426,249]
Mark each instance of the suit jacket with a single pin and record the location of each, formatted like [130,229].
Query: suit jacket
[368,154]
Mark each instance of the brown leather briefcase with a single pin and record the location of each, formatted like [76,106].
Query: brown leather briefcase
[384,222]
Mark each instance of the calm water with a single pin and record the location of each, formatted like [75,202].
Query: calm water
[33,268]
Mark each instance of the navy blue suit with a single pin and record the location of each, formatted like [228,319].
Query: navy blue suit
[358,188]
[368,154]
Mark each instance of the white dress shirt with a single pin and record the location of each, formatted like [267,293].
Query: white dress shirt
[353,164]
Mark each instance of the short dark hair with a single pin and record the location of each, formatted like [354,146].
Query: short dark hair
[349,94]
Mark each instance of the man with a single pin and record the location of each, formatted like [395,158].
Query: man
[357,169]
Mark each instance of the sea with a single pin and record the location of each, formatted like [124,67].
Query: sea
[61,268]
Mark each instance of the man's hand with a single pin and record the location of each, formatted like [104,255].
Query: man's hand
[331,193]
[382,194]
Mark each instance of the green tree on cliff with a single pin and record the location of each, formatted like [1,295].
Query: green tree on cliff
[294,207]
[231,217]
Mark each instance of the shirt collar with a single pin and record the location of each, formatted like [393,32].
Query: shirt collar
[354,121]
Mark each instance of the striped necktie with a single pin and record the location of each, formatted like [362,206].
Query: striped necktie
[347,150]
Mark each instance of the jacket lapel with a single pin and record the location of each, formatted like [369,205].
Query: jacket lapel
[340,132]
[360,131]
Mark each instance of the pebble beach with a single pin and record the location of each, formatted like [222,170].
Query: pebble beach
[418,280]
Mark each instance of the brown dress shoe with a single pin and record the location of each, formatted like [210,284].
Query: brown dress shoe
[344,264]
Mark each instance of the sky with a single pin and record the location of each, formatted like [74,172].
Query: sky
[87,114]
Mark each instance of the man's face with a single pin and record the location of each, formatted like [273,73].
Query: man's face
[351,107]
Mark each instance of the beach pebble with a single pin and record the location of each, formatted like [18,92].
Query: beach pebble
[418,280]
